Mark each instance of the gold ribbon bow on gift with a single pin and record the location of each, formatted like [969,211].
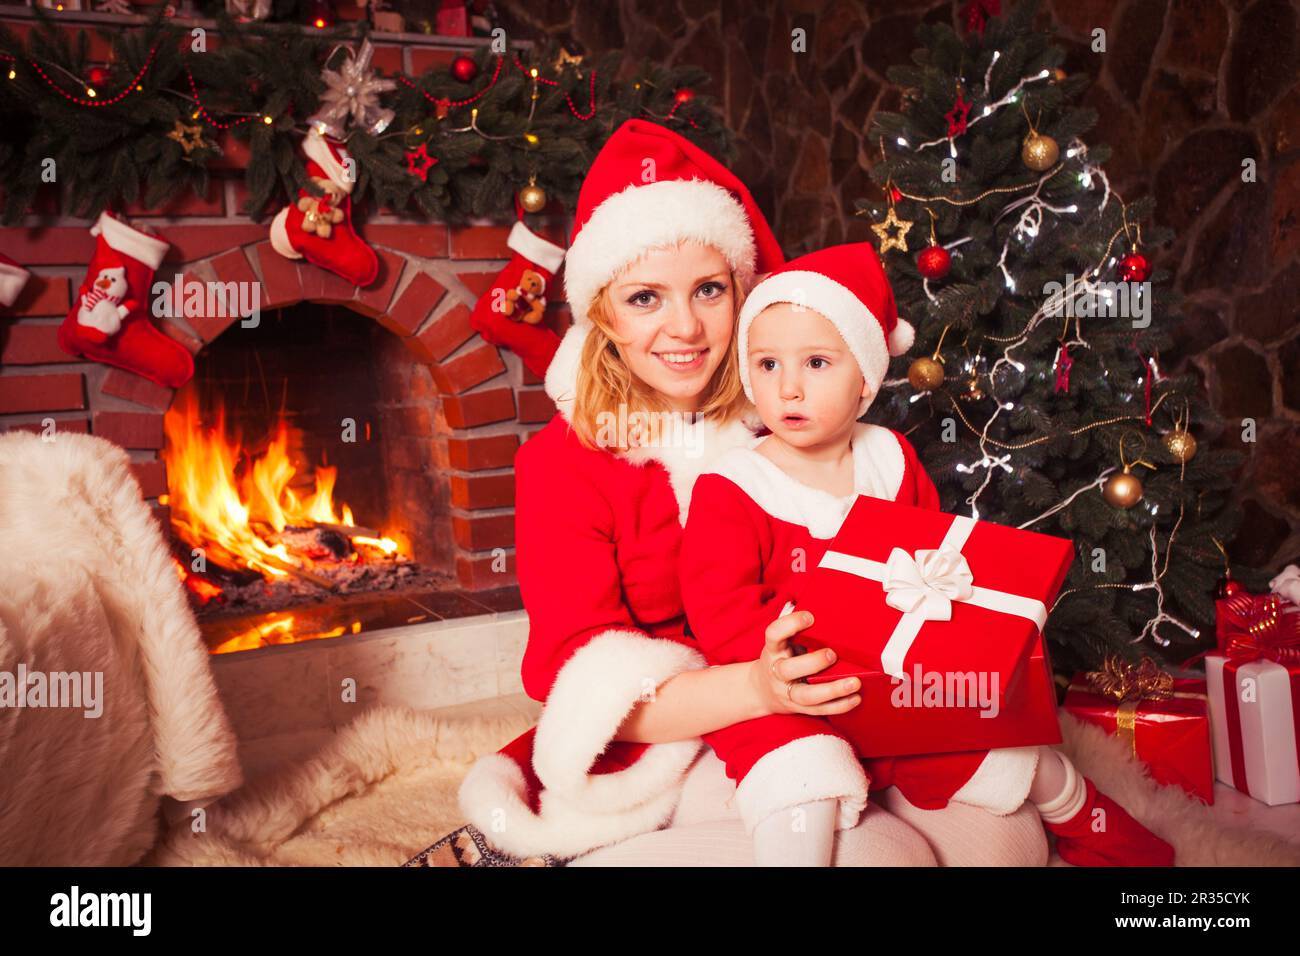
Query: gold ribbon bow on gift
[928,583]
[1129,685]
[1123,681]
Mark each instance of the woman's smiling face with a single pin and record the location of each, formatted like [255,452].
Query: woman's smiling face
[674,310]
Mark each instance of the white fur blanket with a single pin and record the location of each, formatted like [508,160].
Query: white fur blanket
[87,587]
[385,788]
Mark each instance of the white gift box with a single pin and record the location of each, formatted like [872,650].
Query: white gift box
[1260,719]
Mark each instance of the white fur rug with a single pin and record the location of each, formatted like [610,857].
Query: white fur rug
[385,788]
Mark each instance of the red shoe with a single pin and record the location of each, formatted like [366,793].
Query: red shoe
[319,228]
[1103,834]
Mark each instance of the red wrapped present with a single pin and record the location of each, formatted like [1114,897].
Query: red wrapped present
[941,618]
[1254,695]
[1163,719]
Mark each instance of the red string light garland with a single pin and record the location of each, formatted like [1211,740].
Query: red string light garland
[132,87]
[203,110]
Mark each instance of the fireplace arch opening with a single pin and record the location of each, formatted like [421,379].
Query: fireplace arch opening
[304,492]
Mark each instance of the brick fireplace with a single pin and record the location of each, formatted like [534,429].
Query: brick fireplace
[454,409]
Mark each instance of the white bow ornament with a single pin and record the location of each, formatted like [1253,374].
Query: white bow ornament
[928,583]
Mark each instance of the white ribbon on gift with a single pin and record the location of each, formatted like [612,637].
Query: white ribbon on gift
[923,586]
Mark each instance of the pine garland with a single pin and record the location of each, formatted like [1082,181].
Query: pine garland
[265,80]
[1052,442]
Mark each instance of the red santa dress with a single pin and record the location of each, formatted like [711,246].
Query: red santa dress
[752,533]
[598,535]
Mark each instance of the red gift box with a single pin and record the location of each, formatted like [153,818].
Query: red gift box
[941,618]
[1167,726]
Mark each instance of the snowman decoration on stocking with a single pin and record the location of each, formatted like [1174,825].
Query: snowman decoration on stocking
[102,310]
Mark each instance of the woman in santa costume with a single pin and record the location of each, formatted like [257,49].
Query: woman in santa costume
[814,342]
[666,243]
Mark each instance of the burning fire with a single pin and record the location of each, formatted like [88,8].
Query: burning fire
[233,504]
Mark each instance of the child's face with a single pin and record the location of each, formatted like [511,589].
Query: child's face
[807,385]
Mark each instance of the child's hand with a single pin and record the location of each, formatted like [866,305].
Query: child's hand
[777,675]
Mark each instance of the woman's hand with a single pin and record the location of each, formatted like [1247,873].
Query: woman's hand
[777,675]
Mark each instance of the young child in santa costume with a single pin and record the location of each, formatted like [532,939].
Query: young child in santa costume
[815,338]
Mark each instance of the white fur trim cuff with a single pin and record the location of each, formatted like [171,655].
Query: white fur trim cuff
[1001,783]
[130,241]
[534,248]
[12,280]
[593,694]
[861,331]
[630,223]
[819,767]
[493,797]
[317,149]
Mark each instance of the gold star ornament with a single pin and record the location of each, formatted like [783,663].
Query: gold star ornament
[189,137]
[883,230]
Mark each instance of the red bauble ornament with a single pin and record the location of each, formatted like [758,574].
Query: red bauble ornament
[895,195]
[464,69]
[933,262]
[97,75]
[1227,588]
[684,95]
[1135,267]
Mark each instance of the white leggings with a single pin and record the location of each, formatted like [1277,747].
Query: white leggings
[706,830]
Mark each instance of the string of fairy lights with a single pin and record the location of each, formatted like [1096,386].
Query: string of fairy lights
[996,456]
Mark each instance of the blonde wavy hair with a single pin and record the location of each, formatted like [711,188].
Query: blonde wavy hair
[605,382]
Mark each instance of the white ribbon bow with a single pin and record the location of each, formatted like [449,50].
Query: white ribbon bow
[927,584]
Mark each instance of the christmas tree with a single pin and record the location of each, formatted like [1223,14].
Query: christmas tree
[1038,391]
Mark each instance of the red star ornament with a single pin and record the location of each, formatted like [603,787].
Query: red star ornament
[419,162]
[956,116]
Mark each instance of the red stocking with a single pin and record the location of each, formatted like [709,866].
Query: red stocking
[1103,834]
[319,228]
[12,279]
[109,320]
[510,312]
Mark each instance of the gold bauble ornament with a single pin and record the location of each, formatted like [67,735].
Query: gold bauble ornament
[1181,445]
[925,374]
[532,197]
[1122,490]
[1039,152]
[1058,74]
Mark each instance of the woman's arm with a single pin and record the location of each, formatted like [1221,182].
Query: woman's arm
[698,702]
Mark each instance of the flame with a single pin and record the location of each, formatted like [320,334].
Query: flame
[226,510]
[278,628]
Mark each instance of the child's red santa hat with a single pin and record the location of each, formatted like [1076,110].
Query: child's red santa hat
[651,188]
[847,285]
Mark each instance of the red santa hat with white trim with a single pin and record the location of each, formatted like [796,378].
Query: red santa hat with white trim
[846,284]
[651,188]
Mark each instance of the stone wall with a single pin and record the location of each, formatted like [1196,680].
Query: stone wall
[1185,90]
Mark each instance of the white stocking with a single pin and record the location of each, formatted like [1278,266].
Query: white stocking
[803,835]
